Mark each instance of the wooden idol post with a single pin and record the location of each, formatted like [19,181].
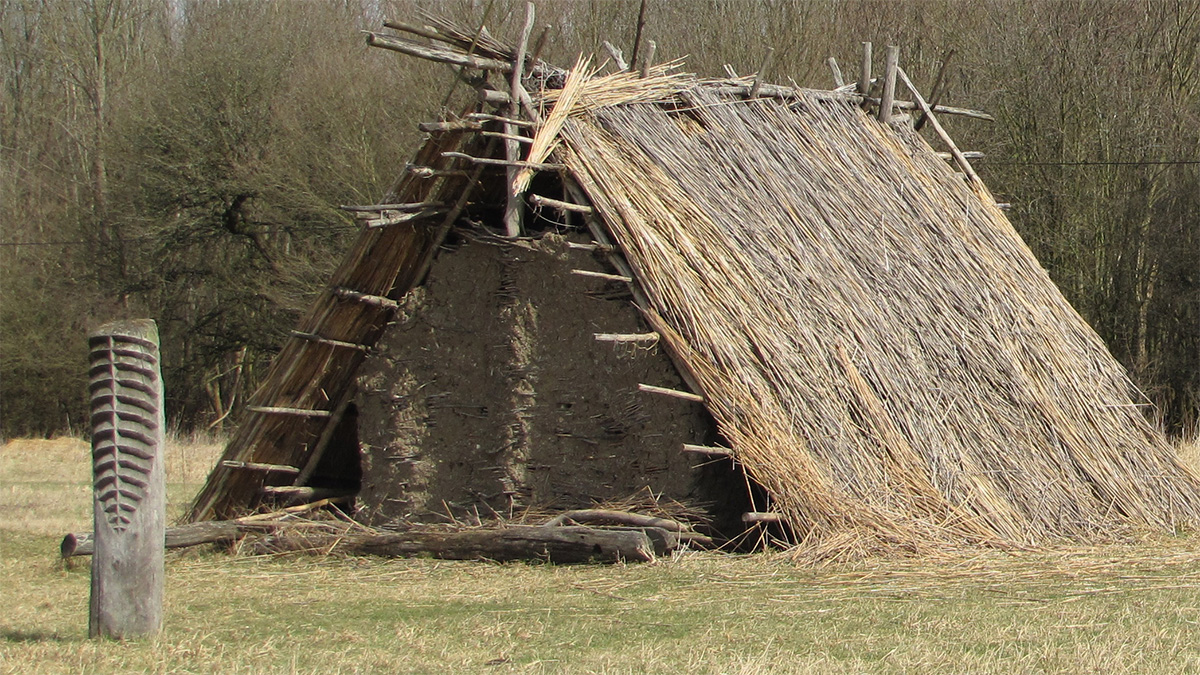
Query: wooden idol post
[129,493]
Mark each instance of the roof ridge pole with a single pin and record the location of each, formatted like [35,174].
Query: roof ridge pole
[512,149]
[889,84]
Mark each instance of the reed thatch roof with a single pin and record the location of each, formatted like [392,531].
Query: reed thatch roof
[880,349]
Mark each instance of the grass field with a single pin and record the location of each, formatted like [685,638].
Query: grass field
[1131,607]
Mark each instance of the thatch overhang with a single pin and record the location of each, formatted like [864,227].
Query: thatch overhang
[879,348]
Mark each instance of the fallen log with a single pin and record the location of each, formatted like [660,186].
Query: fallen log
[82,543]
[574,544]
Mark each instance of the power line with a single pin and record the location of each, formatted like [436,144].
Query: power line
[1152,162]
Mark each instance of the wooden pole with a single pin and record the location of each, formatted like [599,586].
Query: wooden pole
[889,84]
[129,494]
[512,150]
[864,77]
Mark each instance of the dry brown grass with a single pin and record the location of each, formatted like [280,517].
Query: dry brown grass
[1114,609]
[45,483]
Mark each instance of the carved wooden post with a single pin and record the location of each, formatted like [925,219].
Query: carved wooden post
[129,494]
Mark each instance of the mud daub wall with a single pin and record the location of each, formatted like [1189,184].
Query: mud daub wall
[490,389]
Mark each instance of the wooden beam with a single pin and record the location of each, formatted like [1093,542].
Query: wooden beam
[648,60]
[342,344]
[637,36]
[306,493]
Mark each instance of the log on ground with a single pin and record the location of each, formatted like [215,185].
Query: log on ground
[572,544]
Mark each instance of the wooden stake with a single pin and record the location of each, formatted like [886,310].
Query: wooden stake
[626,337]
[365,298]
[762,72]
[674,393]
[602,275]
[129,492]
[648,62]
[617,56]
[889,84]
[637,34]
[539,200]
[707,450]
[761,517]
[864,77]
[838,81]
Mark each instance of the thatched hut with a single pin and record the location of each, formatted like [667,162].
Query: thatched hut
[595,281]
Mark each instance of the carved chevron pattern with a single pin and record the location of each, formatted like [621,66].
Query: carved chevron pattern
[125,419]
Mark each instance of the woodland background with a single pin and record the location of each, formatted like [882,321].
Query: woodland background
[184,160]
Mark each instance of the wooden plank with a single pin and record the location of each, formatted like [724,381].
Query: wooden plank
[503,162]
[648,60]
[617,56]
[379,208]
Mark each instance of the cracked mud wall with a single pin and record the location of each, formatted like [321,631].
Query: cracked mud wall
[489,392]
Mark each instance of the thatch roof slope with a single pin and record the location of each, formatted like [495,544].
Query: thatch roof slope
[873,337]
